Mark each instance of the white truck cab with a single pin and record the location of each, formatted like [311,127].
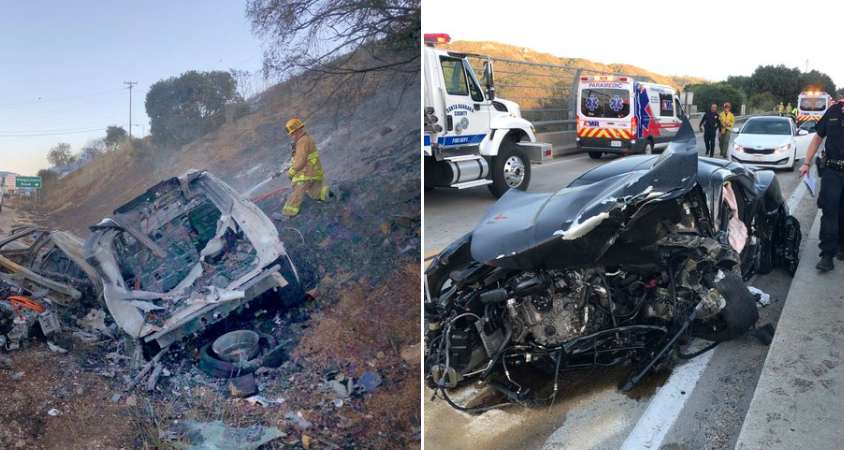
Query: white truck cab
[617,114]
[471,137]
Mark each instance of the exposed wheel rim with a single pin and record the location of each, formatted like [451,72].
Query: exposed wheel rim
[514,171]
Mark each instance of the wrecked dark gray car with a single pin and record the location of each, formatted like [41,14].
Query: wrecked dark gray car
[186,254]
[628,262]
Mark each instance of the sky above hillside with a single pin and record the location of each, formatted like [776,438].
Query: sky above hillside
[63,64]
[705,39]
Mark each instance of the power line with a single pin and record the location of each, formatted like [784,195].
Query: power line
[51,132]
[41,101]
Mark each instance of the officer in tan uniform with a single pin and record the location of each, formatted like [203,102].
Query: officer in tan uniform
[305,171]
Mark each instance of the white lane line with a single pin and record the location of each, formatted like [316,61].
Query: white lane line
[796,196]
[666,405]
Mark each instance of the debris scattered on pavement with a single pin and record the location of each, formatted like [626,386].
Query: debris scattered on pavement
[761,297]
[54,412]
[17,376]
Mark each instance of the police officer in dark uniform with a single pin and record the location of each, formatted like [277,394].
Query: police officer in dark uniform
[831,197]
[710,124]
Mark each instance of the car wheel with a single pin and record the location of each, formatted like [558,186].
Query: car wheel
[649,148]
[595,155]
[510,170]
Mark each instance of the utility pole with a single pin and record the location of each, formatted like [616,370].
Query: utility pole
[131,85]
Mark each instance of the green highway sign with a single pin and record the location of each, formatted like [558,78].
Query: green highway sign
[28,182]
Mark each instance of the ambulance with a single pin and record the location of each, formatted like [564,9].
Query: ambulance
[811,105]
[617,114]
[471,137]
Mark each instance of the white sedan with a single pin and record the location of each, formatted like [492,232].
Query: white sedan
[773,142]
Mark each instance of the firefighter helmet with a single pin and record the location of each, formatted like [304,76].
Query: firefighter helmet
[293,125]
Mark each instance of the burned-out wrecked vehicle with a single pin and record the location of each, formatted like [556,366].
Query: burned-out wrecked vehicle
[630,261]
[186,254]
[41,270]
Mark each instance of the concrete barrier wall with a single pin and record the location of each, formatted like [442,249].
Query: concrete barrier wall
[562,142]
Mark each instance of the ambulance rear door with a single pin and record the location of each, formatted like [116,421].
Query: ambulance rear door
[605,109]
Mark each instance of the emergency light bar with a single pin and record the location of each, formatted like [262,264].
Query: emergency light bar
[813,93]
[437,38]
[603,78]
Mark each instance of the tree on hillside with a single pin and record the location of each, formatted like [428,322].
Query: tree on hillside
[741,83]
[48,178]
[716,93]
[763,102]
[779,80]
[324,35]
[183,108]
[61,156]
[114,136]
[816,81]
[93,149]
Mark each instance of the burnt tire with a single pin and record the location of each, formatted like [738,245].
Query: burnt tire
[510,169]
[737,317]
[596,155]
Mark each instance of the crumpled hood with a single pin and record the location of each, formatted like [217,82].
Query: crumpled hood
[575,226]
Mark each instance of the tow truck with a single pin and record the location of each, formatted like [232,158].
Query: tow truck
[471,137]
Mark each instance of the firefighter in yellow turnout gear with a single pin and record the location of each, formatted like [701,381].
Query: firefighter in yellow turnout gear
[305,171]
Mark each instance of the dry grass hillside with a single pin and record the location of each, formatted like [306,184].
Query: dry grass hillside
[499,50]
[547,87]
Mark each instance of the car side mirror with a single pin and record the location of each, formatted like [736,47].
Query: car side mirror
[735,130]
[802,132]
[489,80]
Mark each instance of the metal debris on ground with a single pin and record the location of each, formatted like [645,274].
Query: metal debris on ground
[243,386]
[296,418]
[369,381]
[55,348]
[17,376]
[192,435]
[54,412]
[761,297]
[263,401]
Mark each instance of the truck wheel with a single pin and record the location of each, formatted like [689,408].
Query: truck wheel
[510,169]
[595,155]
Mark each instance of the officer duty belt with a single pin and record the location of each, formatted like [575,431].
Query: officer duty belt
[835,164]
